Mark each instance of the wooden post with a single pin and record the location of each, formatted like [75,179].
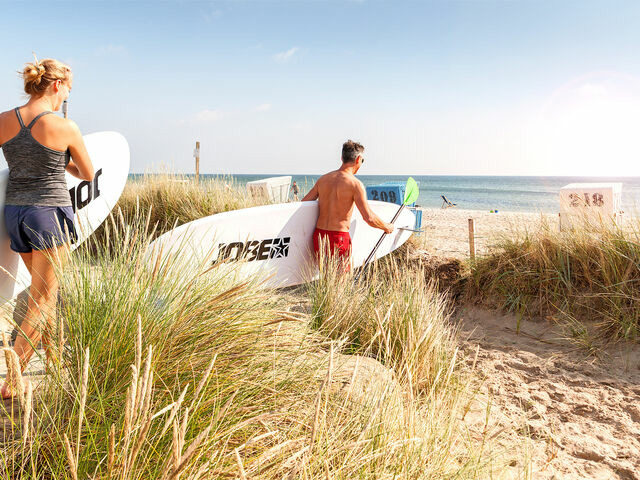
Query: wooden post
[472,241]
[196,154]
[65,109]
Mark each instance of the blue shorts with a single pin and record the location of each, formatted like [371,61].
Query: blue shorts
[33,227]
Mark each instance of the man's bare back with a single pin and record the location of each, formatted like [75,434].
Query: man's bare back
[336,196]
[337,192]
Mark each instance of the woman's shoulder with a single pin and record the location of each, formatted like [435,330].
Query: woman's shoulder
[62,125]
[63,130]
[5,125]
[11,113]
[6,114]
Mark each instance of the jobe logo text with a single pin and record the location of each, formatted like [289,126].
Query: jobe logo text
[82,195]
[254,250]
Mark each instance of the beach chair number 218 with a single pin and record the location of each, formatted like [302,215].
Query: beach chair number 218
[384,196]
[594,199]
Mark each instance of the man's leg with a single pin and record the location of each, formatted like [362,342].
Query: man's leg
[343,249]
[322,247]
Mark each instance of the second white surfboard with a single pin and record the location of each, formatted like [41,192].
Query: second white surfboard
[276,240]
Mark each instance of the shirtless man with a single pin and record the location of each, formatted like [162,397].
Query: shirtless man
[336,193]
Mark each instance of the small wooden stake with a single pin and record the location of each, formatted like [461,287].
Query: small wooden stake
[472,241]
[197,155]
[559,221]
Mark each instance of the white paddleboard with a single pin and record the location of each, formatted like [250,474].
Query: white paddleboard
[276,240]
[92,201]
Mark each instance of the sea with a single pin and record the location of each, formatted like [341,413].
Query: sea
[501,193]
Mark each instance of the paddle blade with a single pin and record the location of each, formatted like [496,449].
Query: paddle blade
[411,191]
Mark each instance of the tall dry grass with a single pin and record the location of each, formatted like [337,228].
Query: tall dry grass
[398,317]
[172,198]
[584,275]
[168,200]
[188,320]
[169,373]
[395,315]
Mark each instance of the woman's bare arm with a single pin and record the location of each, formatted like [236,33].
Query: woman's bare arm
[80,165]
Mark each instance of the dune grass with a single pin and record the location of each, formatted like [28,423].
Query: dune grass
[393,314]
[188,320]
[168,200]
[584,275]
[170,374]
[398,317]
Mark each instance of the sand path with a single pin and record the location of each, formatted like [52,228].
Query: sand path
[582,414]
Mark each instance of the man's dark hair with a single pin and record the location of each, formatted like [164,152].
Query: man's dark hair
[350,151]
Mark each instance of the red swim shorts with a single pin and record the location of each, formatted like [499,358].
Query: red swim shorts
[339,242]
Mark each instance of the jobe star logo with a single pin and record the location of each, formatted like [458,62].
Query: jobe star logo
[254,250]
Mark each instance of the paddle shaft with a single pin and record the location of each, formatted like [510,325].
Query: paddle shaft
[373,252]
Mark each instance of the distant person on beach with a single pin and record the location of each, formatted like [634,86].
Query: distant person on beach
[337,192]
[38,213]
[295,190]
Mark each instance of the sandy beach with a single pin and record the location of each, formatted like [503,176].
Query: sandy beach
[580,414]
[446,231]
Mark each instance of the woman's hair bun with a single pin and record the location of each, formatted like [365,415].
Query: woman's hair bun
[38,75]
[33,72]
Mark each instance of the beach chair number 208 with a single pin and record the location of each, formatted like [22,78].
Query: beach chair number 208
[384,196]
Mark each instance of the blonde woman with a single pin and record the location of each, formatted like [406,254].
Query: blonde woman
[39,147]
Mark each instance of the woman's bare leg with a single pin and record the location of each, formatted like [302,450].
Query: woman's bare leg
[41,310]
[26,258]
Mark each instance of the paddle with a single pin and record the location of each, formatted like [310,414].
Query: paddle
[411,192]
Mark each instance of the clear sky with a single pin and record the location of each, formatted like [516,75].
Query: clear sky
[432,87]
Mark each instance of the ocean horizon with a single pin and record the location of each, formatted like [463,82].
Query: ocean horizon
[506,193]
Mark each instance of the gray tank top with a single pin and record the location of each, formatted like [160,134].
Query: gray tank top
[36,172]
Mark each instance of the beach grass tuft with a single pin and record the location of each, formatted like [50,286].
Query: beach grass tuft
[398,317]
[585,276]
[168,200]
[393,314]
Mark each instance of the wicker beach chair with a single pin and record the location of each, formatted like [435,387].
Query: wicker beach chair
[446,203]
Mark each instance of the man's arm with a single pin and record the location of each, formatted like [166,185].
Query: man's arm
[367,214]
[312,195]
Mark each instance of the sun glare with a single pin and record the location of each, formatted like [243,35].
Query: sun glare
[589,126]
